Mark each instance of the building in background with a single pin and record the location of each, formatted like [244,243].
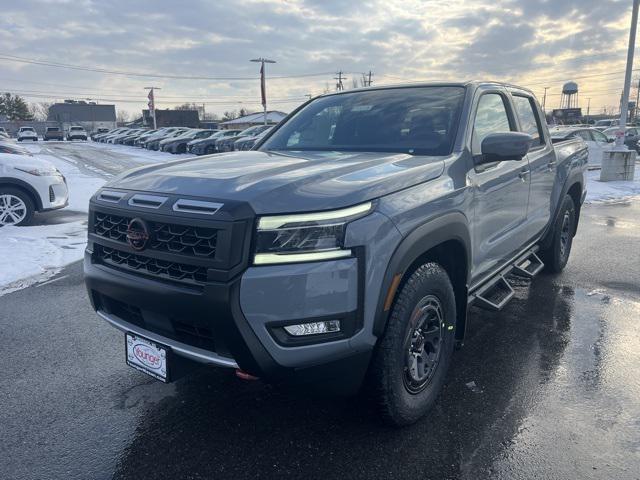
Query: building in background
[273,117]
[90,115]
[172,118]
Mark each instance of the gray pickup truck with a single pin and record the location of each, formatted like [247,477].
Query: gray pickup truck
[344,251]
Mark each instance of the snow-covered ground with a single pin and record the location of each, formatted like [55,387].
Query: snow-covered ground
[598,191]
[32,254]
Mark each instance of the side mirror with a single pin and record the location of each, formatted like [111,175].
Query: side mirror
[609,140]
[500,147]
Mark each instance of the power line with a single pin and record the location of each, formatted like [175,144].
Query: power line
[14,58]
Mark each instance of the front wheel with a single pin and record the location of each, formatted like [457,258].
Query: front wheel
[16,207]
[412,359]
[555,257]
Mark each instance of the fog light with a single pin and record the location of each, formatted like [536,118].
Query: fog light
[313,328]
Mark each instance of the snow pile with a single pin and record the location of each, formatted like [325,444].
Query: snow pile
[598,191]
[32,254]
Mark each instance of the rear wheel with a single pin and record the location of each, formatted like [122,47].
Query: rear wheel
[412,359]
[555,257]
[16,207]
[210,149]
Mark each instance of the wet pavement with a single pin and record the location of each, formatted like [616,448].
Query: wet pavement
[547,388]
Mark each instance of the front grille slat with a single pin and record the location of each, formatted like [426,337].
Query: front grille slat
[172,271]
[200,242]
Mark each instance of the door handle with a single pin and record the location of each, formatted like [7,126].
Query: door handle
[551,165]
[523,175]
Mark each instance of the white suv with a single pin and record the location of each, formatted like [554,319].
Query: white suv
[27,133]
[76,133]
[29,185]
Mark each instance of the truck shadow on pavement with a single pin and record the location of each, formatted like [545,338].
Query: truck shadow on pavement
[217,426]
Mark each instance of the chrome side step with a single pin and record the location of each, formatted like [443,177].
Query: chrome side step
[495,295]
[529,267]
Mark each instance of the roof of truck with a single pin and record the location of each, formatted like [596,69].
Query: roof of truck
[468,83]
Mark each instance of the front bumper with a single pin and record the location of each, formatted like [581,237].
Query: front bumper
[241,316]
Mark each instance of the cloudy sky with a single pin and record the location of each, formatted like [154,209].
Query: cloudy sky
[535,43]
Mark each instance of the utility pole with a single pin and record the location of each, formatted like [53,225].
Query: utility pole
[152,104]
[624,107]
[588,107]
[339,78]
[544,99]
[263,85]
[366,78]
[635,109]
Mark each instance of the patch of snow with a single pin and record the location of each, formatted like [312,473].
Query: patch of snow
[32,254]
[598,191]
[137,154]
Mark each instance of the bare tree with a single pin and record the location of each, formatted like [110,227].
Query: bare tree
[229,115]
[40,110]
[188,106]
[122,116]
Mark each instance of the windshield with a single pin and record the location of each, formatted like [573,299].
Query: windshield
[603,123]
[52,129]
[417,120]
[27,129]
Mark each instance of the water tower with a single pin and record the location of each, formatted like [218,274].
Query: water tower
[569,97]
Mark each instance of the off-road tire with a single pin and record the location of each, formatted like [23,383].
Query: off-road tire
[556,256]
[389,375]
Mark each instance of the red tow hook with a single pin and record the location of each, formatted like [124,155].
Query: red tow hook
[244,375]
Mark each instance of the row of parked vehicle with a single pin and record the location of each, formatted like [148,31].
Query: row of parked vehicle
[184,140]
[51,133]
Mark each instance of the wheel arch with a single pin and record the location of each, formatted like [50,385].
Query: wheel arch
[445,240]
[25,187]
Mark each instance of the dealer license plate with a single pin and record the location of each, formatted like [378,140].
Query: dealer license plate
[147,356]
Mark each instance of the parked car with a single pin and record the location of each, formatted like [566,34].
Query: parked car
[347,248]
[27,133]
[28,185]
[131,133]
[247,143]
[98,131]
[4,135]
[76,133]
[227,144]
[13,149]
[53,133]
[160,134]
[604,124]
[153,143]
[111,133]
[179,144]
[131,138]
[631,136]
[596,141]
[114,137]
[207,146]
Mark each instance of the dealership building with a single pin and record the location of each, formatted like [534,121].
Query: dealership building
[90,115]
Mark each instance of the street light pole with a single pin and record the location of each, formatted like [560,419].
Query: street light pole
[624,108]
[544,100]
[263,86]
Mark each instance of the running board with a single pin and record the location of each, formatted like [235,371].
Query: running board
[495,295]
[529,267]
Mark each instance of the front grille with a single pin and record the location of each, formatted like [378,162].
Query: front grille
[52,194]
[165,237]
[159,269]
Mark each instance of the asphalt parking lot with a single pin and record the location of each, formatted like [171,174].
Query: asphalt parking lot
[547,388]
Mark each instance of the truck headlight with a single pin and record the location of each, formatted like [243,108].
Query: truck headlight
[305,237]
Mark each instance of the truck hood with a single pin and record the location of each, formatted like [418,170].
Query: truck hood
[279,182]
